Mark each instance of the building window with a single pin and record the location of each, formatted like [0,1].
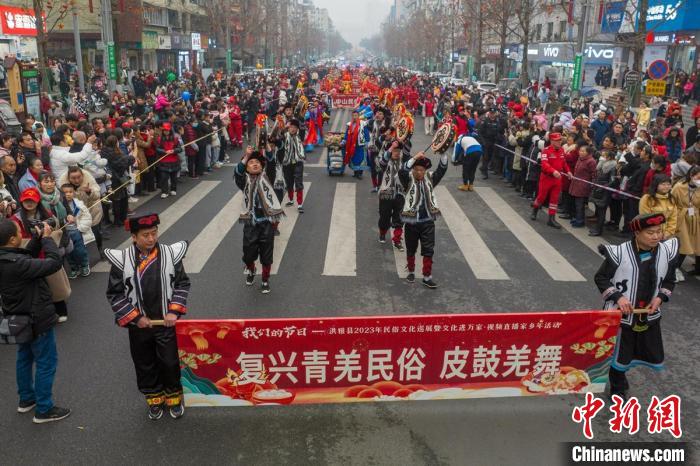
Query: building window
[562,28]
[538,32]
[155,16]
[550,30]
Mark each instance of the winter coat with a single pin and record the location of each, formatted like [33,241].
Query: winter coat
[83,221]
[585,169]
[119,165]
[605,176]
[662,205]
[91,200]
[688,230]
[62,158]
[23,284]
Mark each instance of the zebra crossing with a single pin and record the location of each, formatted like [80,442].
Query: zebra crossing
[338,229]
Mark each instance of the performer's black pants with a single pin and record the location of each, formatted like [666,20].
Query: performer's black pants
[390,213]
[423,232]
[294,176]
[258,240]
[155,355]
[618,381]
[471,161]
[372,162]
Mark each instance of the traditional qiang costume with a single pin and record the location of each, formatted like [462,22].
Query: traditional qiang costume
[291,151]
[640,276]
[355,145]
[419,212]
[391,199]
[153,285]
[261,212]
[374,149]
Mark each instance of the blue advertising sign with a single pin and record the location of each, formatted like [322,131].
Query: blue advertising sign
[672,15]
[613,14]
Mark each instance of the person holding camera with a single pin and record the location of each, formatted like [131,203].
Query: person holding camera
[25,292]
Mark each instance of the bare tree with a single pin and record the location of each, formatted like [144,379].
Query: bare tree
[49,15]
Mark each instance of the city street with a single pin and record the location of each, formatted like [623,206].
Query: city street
[322,270]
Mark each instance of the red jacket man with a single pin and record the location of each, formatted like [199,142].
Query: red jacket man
[554,165]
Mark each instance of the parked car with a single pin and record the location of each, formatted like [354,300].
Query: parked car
[484,86]
[8,120]
[507,84]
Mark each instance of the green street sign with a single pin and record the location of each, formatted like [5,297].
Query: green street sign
[229,60]
[112,57]
[576,80]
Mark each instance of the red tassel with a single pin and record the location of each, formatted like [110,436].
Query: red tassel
[121,6]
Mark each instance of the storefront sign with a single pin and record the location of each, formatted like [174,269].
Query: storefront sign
[112,60]
[17,21]
[655,87]
[392,358]
[663,16]
[149,40]
[576,79]
[196,41]
[164,42]
[594,53]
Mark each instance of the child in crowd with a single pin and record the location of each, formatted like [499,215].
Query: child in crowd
[78,227]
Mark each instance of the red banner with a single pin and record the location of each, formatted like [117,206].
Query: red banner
[425,357]
[18,21]
[346,100]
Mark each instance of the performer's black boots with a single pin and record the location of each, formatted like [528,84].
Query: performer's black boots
[534,213]
[552,222]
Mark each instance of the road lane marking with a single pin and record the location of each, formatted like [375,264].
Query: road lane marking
[479,257]
[286,227]
[341,260]
[210,237]
[553,263]
[171,215]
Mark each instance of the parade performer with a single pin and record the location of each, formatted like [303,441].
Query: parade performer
[148,283]
[467,152]
[419,212]
[261,212]
[291,151]
[377,127]
[355,143]
[391,197]
[638,274]
[553,166]
[235,128]
[312,133]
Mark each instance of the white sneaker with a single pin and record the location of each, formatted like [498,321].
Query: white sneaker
[133,200]
[218,165]
[679,276]
[164,195]
[62,319]
[173,193]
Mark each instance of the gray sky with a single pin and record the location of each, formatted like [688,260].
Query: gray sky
[356,19]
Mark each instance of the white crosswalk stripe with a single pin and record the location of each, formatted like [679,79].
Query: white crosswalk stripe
[553,263]
[208,240]
[341,250]
[286,227]
[479,257]
[341,258]
[171,215]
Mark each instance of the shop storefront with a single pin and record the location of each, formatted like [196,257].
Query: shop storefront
[18,36]
[182,46]
[556,61]
[674,30]
[167,58]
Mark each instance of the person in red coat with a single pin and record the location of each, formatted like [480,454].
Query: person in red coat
[235,128]
[659,165]
[169,164]
[553,167]
[584,171]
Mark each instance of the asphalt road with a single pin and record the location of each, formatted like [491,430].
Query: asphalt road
[108,426]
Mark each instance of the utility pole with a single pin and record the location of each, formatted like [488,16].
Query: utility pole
[452,49]
[78,49]
[580,55]
[229,51]
[109,56]
[479,40]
